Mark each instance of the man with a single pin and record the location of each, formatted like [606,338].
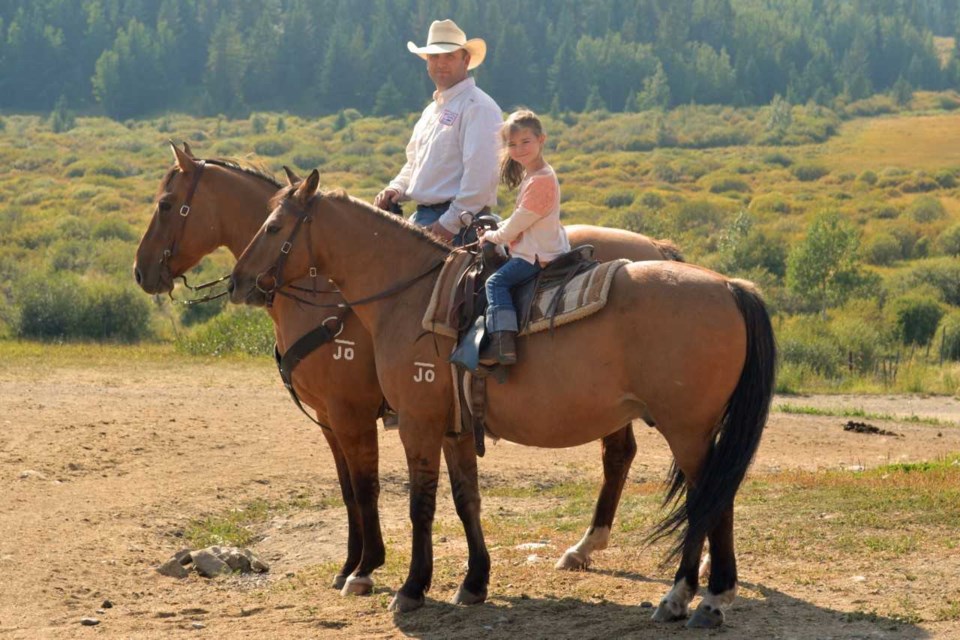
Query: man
[451,170]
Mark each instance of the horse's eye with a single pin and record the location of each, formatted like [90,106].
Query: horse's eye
[163,206]
[273,228]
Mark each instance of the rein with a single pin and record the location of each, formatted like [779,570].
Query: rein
[200,287]
[278,285]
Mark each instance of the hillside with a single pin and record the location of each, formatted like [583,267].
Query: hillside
[737,189]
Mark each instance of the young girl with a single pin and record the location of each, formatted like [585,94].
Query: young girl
[533,232]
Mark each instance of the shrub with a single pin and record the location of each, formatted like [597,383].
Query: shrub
[652,200]
[272,147]
[885,212]
[770,203]
[113,228]
[664,172]
[809,172]
[779,158]
[948,242]
[867,177]
[309,161]
[949,331]
[809,343]
[943,274]
[723,185]
[915,318]
[926,209]
[65,307]
[882,249]
[619,199]
[919,184]
[238,330]
[948,102]
[697,213]
[946,178]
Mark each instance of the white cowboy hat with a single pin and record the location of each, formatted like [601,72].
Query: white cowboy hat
[445,36]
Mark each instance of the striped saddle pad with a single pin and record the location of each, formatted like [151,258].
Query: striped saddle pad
[552,306]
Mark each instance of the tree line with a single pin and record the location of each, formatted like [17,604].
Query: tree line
[133,58]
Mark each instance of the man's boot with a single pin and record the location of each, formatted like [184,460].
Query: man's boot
[501,349]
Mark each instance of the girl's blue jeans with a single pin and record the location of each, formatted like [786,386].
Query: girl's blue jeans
[501,314]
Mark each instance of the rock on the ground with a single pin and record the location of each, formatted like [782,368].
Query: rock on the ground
[89,622]
[208,564]
[213,561]
[173,568]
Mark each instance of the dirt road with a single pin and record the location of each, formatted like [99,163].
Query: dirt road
[103,467]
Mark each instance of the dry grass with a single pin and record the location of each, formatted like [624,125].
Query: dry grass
[923,142]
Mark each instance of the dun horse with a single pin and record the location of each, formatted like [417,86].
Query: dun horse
[681,347]
[201,207]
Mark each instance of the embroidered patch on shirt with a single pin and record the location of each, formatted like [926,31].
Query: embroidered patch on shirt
[448,117]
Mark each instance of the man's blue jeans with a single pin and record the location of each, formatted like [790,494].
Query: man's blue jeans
[501,314]
[426,215]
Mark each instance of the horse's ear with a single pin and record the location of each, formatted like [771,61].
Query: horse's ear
[189,151]
[292,178]
[309,187]
[183,159]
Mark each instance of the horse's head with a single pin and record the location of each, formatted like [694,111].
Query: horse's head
[280,252]
[184,228]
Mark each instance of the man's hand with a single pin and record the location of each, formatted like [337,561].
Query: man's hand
[385,198]
[440,230]
[481,236]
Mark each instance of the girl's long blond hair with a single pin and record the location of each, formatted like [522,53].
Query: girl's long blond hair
[511,171]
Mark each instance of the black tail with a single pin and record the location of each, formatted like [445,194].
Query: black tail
[737,439]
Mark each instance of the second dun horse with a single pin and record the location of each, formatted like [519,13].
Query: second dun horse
[681,347]
[202,205]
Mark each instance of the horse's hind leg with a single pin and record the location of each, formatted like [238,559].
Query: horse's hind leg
[354,533]
[722,586]
[462,466]
[618,450]
[674,605]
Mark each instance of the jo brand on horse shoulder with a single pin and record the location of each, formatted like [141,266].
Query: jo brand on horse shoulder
[685,348]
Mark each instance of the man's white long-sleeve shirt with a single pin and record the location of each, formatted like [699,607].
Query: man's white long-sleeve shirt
[453,153]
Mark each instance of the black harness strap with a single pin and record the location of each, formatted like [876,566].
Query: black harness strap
[294,355]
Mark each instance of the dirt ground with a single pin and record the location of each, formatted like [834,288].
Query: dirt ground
[101,468]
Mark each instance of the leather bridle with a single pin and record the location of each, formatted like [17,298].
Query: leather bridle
[304,216]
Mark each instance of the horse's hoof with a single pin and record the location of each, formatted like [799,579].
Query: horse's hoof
[403,604]
[462,596]
[339,580]
[668,611]
[573,560]
[357,586]
[705,617]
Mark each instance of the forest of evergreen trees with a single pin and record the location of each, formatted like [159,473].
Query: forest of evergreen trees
[131,58]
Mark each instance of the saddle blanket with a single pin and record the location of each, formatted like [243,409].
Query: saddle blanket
[582,296]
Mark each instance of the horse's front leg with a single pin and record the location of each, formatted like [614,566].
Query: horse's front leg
[357,434]
[461,457]
[619,450]
[422,444]
[354,528]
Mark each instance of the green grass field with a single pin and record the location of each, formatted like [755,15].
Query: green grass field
[734,193]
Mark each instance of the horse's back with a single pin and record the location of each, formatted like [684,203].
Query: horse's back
[611,244]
